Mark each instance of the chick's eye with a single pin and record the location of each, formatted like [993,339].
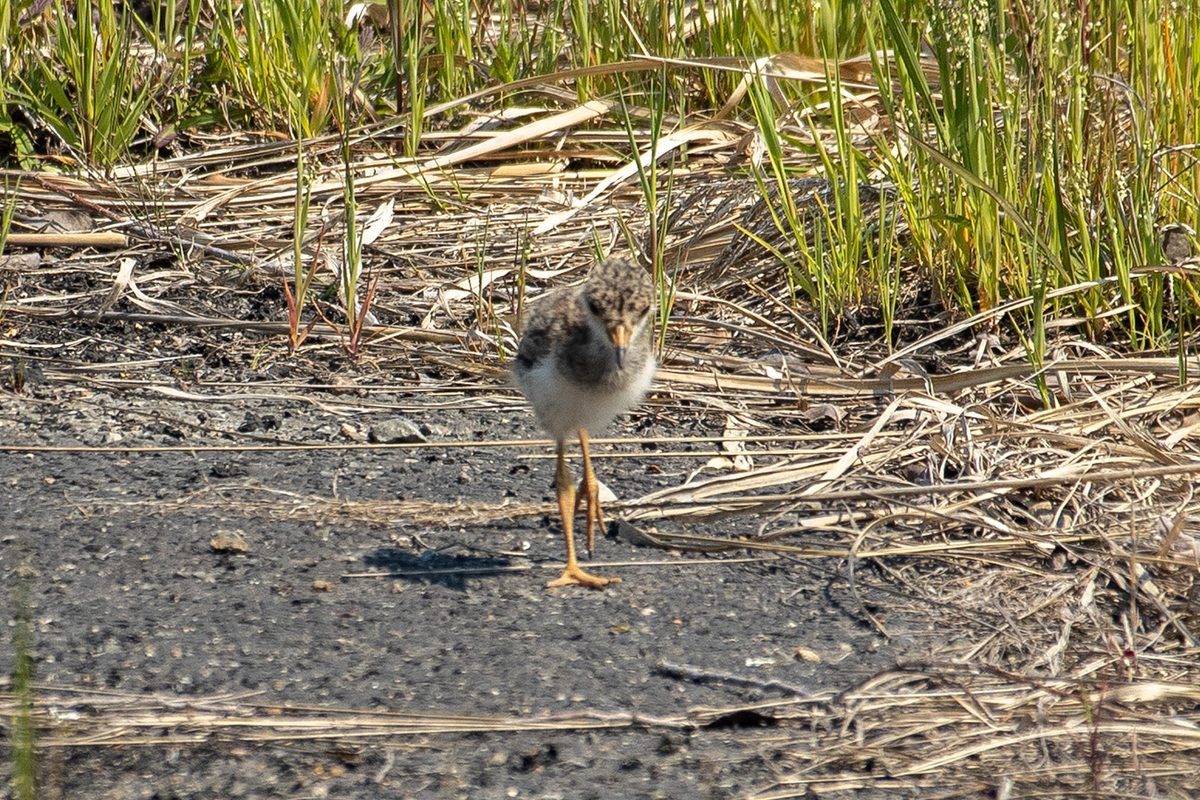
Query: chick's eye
[592,307]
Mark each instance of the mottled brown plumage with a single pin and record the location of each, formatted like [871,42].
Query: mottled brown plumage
[583,359]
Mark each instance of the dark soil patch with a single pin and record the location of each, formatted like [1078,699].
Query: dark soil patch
[130,595]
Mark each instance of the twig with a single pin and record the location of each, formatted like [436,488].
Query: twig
[699,675]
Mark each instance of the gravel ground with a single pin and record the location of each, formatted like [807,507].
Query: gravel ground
[160,571]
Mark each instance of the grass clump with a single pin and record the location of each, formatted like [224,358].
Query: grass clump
[1020,149]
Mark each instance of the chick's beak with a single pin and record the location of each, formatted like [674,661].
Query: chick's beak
[620,335]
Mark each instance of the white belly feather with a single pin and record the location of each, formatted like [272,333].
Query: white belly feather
[563,407]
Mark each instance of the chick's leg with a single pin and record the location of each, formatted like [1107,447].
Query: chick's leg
[567,505]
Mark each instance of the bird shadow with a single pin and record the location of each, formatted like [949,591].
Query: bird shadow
[433,566]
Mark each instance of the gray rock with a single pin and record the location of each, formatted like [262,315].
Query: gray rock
[396,431]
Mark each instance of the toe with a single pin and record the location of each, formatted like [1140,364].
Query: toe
[577,577]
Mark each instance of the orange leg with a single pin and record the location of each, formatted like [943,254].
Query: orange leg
[589,490]
[565,489]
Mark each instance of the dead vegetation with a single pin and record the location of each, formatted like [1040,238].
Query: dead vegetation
[1045,515]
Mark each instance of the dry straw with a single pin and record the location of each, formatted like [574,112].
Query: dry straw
[1060,541]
